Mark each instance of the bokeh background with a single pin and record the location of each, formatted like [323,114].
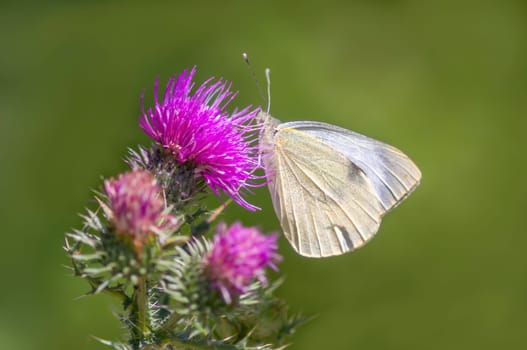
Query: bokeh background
[445,81]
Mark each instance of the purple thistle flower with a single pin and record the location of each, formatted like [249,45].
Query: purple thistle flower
[198,131]
[238,256]
[136,207]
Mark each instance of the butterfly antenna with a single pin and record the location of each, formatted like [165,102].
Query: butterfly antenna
[268,78]
[260,91]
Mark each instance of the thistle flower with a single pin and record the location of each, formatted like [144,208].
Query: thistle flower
[199,133]
[238,256]
[136,207]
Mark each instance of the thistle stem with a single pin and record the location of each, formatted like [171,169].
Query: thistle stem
[140,311]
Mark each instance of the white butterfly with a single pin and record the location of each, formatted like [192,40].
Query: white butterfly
[330,186]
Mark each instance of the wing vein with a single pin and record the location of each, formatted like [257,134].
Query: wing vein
[351,219]
[326,194]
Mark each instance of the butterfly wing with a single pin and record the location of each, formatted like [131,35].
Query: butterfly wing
[326,204]
[393,175]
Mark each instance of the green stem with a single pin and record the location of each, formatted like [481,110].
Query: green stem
[140,312]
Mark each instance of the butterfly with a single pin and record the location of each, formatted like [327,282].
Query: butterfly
[330,186]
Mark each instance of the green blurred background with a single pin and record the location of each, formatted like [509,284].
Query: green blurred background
[445,81]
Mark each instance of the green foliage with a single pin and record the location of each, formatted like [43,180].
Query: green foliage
[108,263]
[167,300]
[257,317]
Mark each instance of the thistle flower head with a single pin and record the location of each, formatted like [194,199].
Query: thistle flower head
[136,207]
[198,132]
[238,256]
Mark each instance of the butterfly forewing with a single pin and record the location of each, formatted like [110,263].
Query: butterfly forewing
[325,203]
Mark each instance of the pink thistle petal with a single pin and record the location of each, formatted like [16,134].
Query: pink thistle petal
[239,255]
[136,207]
[198,131]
